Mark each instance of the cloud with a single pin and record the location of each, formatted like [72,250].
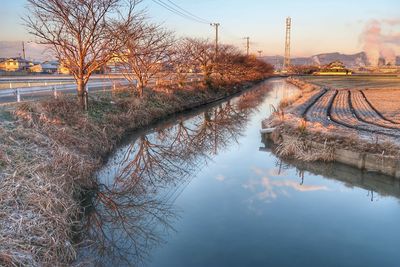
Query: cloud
[269,189]
[220,178]
[380,40]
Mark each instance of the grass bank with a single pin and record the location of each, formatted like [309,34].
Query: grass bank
[49,151]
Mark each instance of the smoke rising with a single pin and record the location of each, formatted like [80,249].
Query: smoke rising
[381,41]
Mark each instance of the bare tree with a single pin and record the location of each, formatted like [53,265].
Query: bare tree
[227,67]
[202,52]
[183,63]
[147,55]
[81,33]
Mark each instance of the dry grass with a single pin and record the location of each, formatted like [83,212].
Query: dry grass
[305,86]
[302,149]
[329,138]
[49,151]
[287,101]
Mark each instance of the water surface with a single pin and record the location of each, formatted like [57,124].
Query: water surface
[203,190]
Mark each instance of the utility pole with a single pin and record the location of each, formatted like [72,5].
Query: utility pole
[259,53]
[216,25]
[247,45]
[286,63]
[23,50]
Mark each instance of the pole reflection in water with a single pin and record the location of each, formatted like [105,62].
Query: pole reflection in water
[131,208]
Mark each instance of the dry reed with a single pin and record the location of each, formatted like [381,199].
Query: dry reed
[301,149]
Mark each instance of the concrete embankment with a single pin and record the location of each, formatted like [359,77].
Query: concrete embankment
[380,163]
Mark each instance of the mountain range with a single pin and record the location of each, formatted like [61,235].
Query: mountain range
[38,52]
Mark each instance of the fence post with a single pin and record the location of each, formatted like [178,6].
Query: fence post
[86,100]
[18,95]
[55,92]
[11,85]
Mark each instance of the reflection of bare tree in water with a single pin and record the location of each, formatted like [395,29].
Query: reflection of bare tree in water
[127,215]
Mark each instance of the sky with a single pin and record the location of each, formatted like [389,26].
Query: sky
[317,26]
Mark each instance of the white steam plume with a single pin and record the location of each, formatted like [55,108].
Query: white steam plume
[378,43]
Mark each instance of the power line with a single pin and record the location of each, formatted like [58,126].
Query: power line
[179,13]
[189,13]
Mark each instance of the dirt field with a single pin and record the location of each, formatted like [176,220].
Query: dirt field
[367,103]
[345,114]
[355,82]
[387,102]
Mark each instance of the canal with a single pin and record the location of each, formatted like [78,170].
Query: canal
[201,189]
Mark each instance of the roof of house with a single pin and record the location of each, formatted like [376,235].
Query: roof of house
[19,59]
[336,64]
[49,66]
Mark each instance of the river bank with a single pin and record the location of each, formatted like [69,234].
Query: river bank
[49,153]
[328,124]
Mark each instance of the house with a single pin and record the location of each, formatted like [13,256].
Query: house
[63,69]
[116,64]
[334,68]
[15,64]
[45,67]
[2,64]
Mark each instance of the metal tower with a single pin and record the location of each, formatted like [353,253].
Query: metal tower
[286,64]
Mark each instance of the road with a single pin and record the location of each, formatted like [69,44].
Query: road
[35,92]
[28,88]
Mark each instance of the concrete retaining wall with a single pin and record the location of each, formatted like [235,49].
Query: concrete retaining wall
[384,164]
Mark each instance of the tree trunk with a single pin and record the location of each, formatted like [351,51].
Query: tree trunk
[140,87]
[207,71]
[81,92]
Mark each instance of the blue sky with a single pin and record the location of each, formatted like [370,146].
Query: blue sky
[318,26]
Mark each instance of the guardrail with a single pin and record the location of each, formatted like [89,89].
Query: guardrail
[18,93]
[54,89]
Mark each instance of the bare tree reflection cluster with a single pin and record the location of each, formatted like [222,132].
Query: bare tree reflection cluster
[128,215]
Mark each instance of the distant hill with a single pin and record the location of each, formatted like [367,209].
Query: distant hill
[350,61]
